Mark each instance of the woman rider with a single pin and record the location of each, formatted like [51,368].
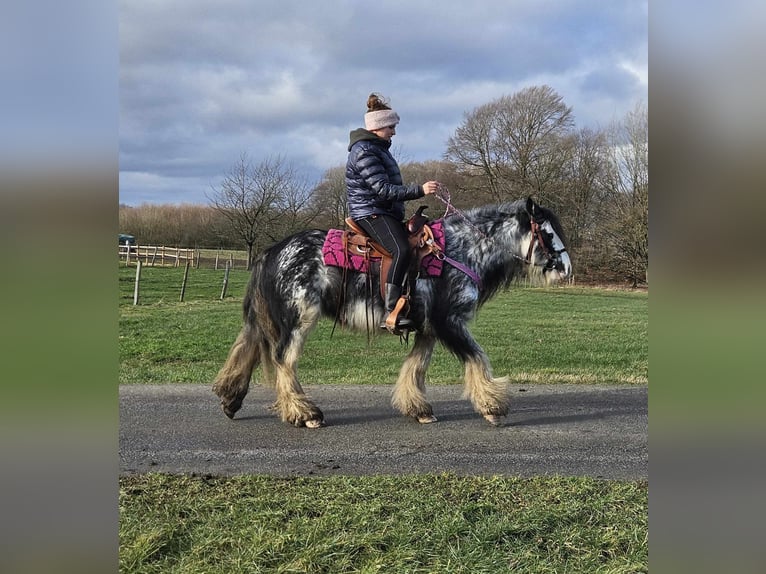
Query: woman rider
[376,194]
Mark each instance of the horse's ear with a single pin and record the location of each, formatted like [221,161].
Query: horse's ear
[531,207]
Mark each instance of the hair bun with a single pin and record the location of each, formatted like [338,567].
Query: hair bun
[376,102]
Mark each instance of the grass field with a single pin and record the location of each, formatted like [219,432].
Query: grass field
[559,335]
[415,524]
[402,524]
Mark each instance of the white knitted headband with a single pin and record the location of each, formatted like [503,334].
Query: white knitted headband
[380,119]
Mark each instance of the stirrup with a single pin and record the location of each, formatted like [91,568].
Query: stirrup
[394,323]
[401,324]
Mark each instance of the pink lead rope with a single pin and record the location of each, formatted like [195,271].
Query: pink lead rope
[444,196]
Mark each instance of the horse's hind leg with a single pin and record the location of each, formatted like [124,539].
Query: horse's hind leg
[409,395]
[292,405]
[233,380]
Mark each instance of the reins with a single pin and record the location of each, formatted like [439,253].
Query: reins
[444,196]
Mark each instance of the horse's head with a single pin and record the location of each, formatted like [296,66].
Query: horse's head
[545,242]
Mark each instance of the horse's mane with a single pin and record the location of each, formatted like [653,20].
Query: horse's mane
[488,216]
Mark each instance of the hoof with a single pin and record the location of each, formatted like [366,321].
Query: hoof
[231,409]
[494,420]
[310,417]
[314,424]
[424,420]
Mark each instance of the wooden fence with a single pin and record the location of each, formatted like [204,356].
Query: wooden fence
[156,255]
[164,256]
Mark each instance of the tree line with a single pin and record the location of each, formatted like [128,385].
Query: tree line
[517,145]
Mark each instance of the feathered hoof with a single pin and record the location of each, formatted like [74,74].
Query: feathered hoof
[494,420]
[427,419]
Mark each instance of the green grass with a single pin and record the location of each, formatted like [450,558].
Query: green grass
[534,335]
[162,285]
[401,524]
[411,524]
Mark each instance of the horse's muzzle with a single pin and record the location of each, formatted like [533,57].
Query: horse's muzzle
[559,267]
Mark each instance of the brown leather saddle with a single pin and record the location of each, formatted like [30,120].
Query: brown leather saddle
[421,238]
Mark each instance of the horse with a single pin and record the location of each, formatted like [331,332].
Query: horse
[291,287]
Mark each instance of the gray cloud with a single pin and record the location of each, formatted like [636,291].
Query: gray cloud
[201,82]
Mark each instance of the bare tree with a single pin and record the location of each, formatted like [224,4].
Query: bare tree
[626,184]
[294,208]
[473,150]
[581,195]
[329,198]
[533,126]
[185,225]
[261,203]
[512,145]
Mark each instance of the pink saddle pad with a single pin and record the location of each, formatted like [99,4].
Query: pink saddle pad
[334,254]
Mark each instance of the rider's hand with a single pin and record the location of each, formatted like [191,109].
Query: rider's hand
[430,187]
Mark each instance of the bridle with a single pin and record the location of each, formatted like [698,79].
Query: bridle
[537,238]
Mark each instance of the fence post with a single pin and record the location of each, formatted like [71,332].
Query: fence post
[183,285]
[225,280]
[127,253]
[216,258]
[138,280]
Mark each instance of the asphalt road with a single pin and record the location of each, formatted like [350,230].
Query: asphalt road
[568,430]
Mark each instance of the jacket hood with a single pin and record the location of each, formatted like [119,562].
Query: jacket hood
[361,134]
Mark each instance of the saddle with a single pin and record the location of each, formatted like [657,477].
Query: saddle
[421,239]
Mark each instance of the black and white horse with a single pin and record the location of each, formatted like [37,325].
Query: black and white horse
[291,287]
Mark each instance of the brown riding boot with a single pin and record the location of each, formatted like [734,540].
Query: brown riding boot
[393,293]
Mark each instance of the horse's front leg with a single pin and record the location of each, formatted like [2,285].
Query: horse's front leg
[409,395]
[489,395]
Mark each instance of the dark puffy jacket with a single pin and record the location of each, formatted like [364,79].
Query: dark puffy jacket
[373,179]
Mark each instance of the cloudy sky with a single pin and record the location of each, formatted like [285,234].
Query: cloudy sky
[202,82]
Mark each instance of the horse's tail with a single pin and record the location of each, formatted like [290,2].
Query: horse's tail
[233,380]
